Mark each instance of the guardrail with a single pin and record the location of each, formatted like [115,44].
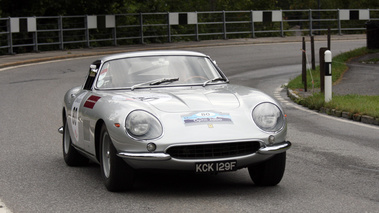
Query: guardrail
[28,34]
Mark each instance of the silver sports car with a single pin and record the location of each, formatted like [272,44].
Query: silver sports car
[171,110]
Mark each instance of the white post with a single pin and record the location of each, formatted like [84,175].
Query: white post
[328,76]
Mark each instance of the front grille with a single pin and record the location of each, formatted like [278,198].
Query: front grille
[220,150]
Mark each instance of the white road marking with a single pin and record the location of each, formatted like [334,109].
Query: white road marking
[43,62]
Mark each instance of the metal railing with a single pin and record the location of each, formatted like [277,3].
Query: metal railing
[28,34]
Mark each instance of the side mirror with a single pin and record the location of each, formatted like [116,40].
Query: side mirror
[93,70]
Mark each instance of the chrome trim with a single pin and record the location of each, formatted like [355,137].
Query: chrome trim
[60,130]
[145,156]
[153,54]
[147,139]
[282,113]
[268,150]
[275,149]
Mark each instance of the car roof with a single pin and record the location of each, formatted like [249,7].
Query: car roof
[152,53]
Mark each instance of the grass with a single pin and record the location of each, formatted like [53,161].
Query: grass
[355,104]
[371,61]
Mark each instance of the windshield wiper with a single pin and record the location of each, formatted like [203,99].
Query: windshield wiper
[213,80]
[164,80]
[155,82]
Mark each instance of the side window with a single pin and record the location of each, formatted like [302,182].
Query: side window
[105,77]
[91,78]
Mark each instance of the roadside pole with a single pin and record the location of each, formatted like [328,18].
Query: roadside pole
[313,53]
[328,76]
[304,66]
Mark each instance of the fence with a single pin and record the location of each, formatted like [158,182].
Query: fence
[28,34]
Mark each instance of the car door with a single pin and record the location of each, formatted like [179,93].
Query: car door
[88,121]
[78,120]
[75,120]
[87,115]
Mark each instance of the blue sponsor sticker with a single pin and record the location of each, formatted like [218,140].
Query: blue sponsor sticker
[206,118]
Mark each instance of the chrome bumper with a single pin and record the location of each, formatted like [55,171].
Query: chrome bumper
[275,149]
[145,156]
[60,130]
[267,150]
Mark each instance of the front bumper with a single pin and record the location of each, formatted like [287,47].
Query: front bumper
[267,150]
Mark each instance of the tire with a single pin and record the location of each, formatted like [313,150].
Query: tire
[270,172]
[116,174]
[70,155]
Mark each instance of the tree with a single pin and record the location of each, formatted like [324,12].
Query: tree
[24,8]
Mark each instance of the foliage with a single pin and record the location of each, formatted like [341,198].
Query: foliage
[24,8]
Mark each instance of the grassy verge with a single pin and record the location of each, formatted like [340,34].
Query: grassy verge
[355,104]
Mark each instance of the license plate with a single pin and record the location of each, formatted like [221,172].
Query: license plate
[223,166]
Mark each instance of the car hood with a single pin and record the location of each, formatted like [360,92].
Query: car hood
[187,99]
[226,108]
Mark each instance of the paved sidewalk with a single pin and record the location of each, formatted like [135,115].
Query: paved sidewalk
[360,78]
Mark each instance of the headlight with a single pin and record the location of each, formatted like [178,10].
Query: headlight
[268,117]
[143,125]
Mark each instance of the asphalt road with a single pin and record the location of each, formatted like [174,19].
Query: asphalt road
[333,165]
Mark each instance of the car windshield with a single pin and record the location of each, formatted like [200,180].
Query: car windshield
[156,70]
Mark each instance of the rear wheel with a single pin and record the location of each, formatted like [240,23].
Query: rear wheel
[270,172]
[70,155]
[117,175]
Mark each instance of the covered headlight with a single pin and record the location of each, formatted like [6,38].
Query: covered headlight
[142,125]
[268,117]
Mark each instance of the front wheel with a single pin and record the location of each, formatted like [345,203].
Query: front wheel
[117,175]
[270,172]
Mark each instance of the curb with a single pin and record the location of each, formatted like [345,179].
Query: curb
[336,113]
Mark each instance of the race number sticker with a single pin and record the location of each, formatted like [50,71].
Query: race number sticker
[207,118]
[75,115]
